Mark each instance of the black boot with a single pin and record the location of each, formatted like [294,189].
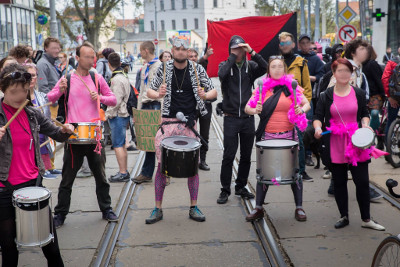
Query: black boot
[203,165]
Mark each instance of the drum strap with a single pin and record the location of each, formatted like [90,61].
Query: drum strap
[204,142]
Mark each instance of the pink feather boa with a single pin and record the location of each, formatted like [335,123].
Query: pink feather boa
[353,154]
[299,120]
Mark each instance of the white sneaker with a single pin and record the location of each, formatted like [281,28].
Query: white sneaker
[373,225]
[327,175]
[350,177]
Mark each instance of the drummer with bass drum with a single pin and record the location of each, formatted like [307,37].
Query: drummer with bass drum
[184,85]
[279,112]
[21,165]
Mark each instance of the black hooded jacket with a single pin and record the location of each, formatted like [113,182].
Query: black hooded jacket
[236,84]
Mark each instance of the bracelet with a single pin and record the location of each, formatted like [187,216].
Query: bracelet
[252,50]
[205,96]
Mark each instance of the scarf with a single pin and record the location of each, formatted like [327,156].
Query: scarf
[146,73]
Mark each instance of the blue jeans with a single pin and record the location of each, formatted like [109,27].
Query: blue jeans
[392,114]
[150,160]
[118,130]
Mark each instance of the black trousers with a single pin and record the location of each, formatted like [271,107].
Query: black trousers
[237,130]
[204,122]
[73,159]
[360,179]
[297,189]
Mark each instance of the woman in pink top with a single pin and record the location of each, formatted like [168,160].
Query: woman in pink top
[278,115]
[342,108]
[21,164]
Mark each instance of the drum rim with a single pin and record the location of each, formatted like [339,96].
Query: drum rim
[21,200]
[277,147]
[366,145]
[180,149]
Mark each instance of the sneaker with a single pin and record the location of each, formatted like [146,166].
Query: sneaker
[327,175]
[300,215]
[343,222]
[141,179]
[372,225]
[223,198]
[131,148]
[243,192]
[196,214]
[48,175]
[155,216]
[203,166]
[374,196]
[110,216]
[119,177]
[82,174]
[349,176]
[55,171]
[306,177]
[255,215]
[58,220]
[331,189]
[309,161]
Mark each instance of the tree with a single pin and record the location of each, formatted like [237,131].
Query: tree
[92,14]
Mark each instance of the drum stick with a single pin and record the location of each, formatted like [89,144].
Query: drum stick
[326,132]
[62,125]
[66,68]
[294,86]
[16,113]
[45,143]
[165,66]
[45,105]
[260,85]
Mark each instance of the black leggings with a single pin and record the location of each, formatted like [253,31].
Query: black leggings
[9,249]
[262,189]
[360,179]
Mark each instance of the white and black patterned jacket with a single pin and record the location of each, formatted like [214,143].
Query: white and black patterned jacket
[204,80]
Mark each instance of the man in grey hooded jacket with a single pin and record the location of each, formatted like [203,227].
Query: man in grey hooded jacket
[48,74]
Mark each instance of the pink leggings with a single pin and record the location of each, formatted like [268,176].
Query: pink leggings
[161,180]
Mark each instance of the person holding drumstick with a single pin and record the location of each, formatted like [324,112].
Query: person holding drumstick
[279,113]
[342,108]
[21,165]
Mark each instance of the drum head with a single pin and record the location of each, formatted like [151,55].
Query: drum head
[276,143]
[31,194]
[363,137]
[180,143]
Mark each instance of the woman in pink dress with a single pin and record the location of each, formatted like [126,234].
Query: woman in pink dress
[342,108]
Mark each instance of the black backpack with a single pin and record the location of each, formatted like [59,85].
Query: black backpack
[63,100]
[394,83]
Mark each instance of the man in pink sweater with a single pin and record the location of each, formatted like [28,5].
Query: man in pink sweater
[82,106]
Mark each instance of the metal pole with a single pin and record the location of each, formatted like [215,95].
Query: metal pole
[316,34]
[337,21]
[123,26]
[323,12]
[309,17]
[362,18]
[156,25]
[302,17]
[53,19]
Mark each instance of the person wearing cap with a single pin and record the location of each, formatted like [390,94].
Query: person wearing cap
[102,64]
[336,52]
[182,94]
[297,66]
[315,68]
[237,75]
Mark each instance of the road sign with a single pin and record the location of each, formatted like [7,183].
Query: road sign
[347,33]
[120,35]
[40,39]
[42,19]
[347,14]
[156,41]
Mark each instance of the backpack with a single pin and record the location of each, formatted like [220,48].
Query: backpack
[63,100]
[133,96]
[394,83]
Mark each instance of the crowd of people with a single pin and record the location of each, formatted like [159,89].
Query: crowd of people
[343,89]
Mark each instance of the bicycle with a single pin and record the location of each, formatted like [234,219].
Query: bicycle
[388,252]
[393,143]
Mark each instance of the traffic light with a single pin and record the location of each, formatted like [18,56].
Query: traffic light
[378,14]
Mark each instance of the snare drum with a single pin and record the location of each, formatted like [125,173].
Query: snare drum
[32,216]
[180,156]
[86,133]
[277,161]
[363,138]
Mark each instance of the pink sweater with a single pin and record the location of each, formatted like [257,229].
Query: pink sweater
[81,108]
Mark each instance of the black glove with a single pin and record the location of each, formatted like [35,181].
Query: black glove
[219,110]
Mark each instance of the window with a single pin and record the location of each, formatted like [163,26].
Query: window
[196,23]
[215,3]
[173,4]
[183,4]
[152,25]
[162,25]
[195,3]
[173,24]
[161,4]
[184,24]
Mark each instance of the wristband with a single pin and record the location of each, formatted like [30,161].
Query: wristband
[252,50]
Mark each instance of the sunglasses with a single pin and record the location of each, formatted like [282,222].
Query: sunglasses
[285,43]
[178,42]
[275,57]
[17,75]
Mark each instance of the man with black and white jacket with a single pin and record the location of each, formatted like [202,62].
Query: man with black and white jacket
[237,76]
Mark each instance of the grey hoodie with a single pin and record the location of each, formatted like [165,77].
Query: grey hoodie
[48,75]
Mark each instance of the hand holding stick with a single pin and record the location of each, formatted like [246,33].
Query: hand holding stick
[62,126]
[16,113]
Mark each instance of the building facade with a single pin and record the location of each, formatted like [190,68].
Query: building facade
[17,25]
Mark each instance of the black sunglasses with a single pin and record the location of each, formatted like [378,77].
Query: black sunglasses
[17,75]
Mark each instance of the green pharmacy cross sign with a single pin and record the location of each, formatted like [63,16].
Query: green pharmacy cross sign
[378,14]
